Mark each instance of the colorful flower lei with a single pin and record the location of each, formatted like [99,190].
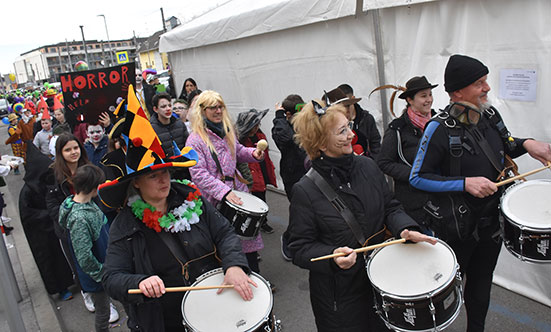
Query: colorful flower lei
[178,220]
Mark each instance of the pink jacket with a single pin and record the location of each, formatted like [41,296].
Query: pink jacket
[207,178]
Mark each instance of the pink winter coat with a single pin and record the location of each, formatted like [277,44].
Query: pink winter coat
[207,178]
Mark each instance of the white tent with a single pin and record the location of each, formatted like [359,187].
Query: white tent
[256,52]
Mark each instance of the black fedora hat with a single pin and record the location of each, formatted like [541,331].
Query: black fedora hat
[416,84]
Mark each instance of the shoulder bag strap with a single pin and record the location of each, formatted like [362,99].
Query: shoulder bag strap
[476,136]
[338,204]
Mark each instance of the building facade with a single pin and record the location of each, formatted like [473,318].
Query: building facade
[46,63]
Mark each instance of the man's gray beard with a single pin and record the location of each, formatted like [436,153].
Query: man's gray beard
[486,105]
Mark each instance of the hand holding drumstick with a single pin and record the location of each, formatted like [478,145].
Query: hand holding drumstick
[345,257]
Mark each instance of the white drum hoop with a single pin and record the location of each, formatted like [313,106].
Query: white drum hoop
[421,295]
[513,218]
[217,276]
[252,205]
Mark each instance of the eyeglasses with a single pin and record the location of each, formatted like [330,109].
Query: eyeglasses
[343,131]
[179,108]
[214,108]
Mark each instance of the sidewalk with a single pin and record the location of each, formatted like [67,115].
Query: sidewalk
[36,307]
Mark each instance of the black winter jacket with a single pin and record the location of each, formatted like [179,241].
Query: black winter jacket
[342,299]
[291,164]
[174,131]
[368,134]
[128,261]
[391,164]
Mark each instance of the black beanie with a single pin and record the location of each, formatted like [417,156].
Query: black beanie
[461,71]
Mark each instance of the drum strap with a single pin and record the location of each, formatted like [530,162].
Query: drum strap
[223,177]
[338,204]
[175,249]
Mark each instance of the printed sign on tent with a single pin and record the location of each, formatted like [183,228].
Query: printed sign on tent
[89,93]
[122,57]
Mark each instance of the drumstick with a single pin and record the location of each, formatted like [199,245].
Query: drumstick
[362,249]
[514,178]
[183,289]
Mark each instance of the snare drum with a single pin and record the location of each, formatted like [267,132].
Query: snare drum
[526,220]
[204,310]
[417,286]
[246,219]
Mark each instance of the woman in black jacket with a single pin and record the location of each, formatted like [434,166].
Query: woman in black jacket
[165,235]
[400,145]
[340,292]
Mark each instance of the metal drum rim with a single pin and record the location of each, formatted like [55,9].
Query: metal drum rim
[436,291]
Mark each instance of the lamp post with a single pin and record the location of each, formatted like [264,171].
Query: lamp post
[108,40]
[84,44]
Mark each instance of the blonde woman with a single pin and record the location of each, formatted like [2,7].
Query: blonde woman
[213,137]
[340,292]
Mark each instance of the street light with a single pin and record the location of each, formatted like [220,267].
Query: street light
[108,40]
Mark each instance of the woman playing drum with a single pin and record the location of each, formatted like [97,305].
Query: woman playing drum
[340,292]
[166,234]
[214,139]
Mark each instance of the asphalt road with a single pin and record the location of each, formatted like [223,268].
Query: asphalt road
[509,312]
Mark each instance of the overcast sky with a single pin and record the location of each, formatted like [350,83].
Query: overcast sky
[27,25]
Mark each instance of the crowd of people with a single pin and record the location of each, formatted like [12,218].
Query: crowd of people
[172,163]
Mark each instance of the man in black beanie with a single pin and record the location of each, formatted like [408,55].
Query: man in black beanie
[459,159]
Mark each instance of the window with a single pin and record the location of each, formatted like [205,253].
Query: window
[53,50]
[118,44]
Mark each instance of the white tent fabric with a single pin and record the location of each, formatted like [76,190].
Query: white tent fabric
[256,52]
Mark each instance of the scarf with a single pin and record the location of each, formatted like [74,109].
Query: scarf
[334,170]
[217,128]
[418,119]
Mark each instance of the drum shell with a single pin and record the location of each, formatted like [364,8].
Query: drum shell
[525,239]
[246,219]
[525,243]
[414,314]
[245,223]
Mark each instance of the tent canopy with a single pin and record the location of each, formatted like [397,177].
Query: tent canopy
[244,18]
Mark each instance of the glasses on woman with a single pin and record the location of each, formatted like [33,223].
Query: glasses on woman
[214,108]
[343,131]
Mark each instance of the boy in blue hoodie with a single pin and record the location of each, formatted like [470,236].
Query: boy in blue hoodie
[88,236]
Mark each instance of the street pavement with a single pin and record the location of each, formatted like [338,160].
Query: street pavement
[509,312]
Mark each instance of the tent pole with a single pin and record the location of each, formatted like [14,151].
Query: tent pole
[380,64]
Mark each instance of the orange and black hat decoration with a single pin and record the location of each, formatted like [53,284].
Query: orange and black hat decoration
[144,154]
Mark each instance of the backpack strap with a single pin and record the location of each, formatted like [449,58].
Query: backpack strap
[496,121]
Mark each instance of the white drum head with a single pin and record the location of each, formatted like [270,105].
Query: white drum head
[204,310]
[251,203]
[412,269]
[529,204]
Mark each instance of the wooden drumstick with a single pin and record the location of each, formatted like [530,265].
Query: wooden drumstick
[514,178]
[183,289]
[362,249]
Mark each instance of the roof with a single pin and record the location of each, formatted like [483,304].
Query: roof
[150,43]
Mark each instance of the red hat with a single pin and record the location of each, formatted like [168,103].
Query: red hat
[57,104]
[42,105]
[46,115]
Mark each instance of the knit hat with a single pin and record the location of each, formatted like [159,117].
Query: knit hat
[462,71]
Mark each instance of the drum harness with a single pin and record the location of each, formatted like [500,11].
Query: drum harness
[457,134]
